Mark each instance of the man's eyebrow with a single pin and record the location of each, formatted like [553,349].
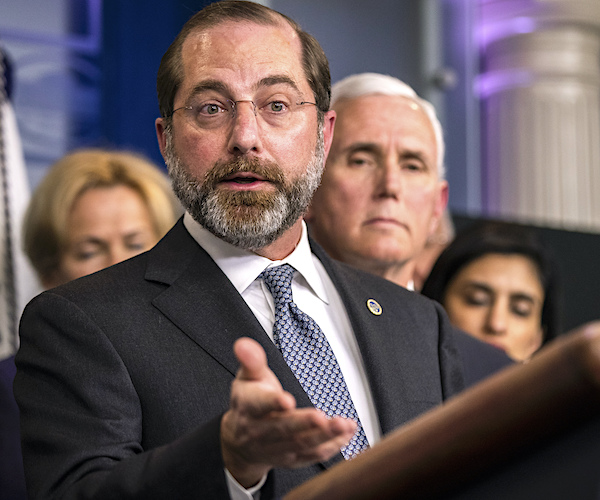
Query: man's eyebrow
[414,155]
[222,88]
[272,80]
[373,147]
[206,85]
[366,147]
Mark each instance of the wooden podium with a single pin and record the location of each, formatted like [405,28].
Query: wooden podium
[530,431]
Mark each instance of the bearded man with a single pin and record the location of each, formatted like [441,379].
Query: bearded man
[189,371]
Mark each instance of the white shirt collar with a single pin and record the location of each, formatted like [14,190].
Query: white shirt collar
[242,267]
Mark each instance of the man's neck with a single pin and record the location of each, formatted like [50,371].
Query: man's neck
[401,274]
[284,245]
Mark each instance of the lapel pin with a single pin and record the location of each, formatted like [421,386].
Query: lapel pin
[374,307]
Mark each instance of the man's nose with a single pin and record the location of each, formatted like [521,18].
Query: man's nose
[244,135]
[390,179]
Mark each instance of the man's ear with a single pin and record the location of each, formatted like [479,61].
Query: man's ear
[328,127]
[441,202]
[159,124]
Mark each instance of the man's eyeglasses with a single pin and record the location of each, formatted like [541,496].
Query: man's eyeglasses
[212,114]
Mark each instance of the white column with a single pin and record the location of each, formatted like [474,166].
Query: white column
[540,95]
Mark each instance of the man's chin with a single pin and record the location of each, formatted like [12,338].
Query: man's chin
[244,215]
[242,238]
[385,254]
[239,200]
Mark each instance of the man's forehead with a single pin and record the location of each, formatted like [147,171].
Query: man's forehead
[382,113]
[245,51]
[244,36]
[375,122]
[378,101]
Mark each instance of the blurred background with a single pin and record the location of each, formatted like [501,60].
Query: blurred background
[516,84]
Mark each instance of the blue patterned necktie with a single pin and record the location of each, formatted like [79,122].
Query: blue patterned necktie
[309,355]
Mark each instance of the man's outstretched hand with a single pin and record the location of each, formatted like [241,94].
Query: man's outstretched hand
[263,428]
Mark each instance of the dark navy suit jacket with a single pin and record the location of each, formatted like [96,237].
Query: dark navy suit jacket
[123,376]
[12,480]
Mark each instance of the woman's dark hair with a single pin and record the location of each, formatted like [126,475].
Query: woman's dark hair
[487,237]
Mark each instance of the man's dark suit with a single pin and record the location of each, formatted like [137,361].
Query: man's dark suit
[12,481]
[123,375]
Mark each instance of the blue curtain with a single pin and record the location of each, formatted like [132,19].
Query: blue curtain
[135,36]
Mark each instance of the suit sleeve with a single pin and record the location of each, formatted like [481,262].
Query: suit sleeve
[81,419]
[465,361]
[12,481]
[451,367]
[480,360]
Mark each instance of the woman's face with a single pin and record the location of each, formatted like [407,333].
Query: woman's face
[105,226]
[498,299]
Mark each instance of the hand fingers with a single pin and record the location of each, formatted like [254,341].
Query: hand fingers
[256,400]
[304,438]
[252,358]
[304,432]
[318,439]
[311,420]
[263,426]
[256,390]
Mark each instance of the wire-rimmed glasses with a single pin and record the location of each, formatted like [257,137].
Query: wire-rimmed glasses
[212,113]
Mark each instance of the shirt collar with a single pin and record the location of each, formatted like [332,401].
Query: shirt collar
[242,267]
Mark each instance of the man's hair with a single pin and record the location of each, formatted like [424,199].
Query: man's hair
[171,71]
[363,84]
[45,224]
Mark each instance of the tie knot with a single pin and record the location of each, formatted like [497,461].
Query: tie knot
[278,279]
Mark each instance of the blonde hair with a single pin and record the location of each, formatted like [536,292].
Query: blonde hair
[44,230]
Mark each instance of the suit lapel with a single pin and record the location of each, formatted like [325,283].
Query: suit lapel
[201,301]
[364,330]
[399,389]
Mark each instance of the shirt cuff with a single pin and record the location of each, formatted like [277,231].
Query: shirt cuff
[238,492]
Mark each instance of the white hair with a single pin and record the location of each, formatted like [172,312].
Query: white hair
[362,84]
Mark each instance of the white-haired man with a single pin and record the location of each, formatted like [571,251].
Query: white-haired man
[383,192]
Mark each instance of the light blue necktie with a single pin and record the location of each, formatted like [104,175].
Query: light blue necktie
[309,355]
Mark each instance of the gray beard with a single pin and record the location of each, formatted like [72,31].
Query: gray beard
[246,219]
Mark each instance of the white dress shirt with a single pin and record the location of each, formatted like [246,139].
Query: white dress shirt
[313,292]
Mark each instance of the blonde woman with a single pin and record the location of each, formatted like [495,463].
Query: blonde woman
[95,208]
